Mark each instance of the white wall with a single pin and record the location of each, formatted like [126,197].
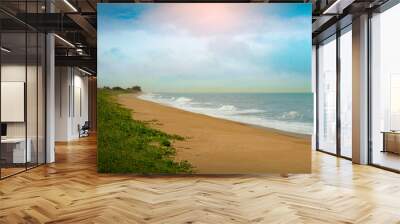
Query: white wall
[71,102]
[12,73]
[80,109]
[62,82]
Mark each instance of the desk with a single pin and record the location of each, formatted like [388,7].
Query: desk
[391,141]
[15,148]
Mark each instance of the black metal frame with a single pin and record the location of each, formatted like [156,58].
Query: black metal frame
[316,97]
[44,80]
[26,90]
[0,89]
[369,90]
[338,98]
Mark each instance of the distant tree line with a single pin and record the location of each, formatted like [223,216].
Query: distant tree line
[134,89]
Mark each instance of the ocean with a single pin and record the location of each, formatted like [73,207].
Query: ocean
[291,112]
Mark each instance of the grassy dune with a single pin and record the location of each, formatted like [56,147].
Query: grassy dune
[126,145]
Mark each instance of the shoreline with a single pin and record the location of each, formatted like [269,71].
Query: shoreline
[284,132]
[221,146]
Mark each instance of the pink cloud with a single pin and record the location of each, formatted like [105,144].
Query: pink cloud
[211,19]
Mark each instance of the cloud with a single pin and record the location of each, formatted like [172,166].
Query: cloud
[202,46]
[214,19]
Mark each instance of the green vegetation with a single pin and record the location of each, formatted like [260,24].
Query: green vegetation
[133,89]
[126,145]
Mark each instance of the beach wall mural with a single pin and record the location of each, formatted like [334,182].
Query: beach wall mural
[216,88]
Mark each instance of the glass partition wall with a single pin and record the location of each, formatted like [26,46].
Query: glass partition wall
[22,98]
[385,89]
[13,89]
[334,84]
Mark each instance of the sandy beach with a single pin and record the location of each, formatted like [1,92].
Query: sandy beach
[219,146]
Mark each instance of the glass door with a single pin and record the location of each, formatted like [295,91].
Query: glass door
[327,95]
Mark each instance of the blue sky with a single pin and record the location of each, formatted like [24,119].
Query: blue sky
[211,47]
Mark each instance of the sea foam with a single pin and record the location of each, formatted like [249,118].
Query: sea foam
[252,116]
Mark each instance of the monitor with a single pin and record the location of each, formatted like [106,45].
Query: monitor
[3,129]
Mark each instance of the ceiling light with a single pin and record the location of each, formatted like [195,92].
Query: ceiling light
[65,41]
[70,5]
[84,71]
[79,51]
[5,50]
[337,7]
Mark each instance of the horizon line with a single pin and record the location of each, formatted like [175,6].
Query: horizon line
[211,92]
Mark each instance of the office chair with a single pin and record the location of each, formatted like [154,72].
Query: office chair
[84,130]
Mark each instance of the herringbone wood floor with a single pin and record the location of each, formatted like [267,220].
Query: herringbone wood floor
[71,191]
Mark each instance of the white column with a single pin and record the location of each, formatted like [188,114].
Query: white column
[360,90]
[50,92]
[50,99]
